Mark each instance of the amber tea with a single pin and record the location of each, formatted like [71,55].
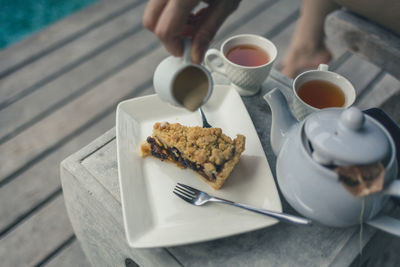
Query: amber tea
[248,55]
[321,94]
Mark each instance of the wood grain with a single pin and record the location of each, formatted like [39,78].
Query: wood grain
[70,256]
[55,36]
[359,72]
[67,57]
[35,185]
[366,39]
[381,92]
[27,240]
[52,96]
[26,146]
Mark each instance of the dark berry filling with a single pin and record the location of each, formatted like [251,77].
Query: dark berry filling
[162,153]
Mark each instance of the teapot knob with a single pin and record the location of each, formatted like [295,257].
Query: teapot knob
[352,118]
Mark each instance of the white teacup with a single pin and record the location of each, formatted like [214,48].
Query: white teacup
[301,109]
[182,83]
[246,80]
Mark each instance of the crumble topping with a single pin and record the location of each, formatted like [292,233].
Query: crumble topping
[207,151]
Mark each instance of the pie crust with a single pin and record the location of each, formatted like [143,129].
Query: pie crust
[207,151]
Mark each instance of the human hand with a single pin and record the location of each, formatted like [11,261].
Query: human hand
[171,20]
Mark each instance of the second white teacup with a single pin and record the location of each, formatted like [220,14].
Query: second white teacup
[301,108]
[246,80]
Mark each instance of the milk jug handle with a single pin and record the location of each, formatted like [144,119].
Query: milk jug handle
[323,67]
[187,49]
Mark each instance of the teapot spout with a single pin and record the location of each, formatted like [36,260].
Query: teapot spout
[282,118]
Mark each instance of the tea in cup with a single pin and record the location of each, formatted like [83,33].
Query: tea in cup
[247,60]
[181,82]
[317,89]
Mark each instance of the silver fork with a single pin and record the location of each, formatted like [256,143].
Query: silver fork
[198,198]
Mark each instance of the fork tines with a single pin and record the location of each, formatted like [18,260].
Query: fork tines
[193,190]
[185,192]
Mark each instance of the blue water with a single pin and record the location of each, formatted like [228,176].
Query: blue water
[21,18]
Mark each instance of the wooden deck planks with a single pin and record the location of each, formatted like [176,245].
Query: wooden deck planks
[29,144]
[65,88]
[246,11]
[359,72]
[54,64]
[36,185]
[40,81]
[42,233]
[72,256]
[57,35]
[382,91]
[366,39]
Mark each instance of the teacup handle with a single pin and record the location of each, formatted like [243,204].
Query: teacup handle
[207,60]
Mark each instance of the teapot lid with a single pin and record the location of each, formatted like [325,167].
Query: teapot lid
[345,137]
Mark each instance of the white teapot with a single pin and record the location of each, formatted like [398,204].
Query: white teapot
[336,136]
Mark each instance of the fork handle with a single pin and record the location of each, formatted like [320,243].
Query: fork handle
[277,215]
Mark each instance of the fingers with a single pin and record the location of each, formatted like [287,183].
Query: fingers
[172,22]
[216,14]
[152,13]
[167,20]
[171,19]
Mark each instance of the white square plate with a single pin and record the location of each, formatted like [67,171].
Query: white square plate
[153,215]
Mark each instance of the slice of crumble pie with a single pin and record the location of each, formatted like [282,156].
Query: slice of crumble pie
[207,151]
